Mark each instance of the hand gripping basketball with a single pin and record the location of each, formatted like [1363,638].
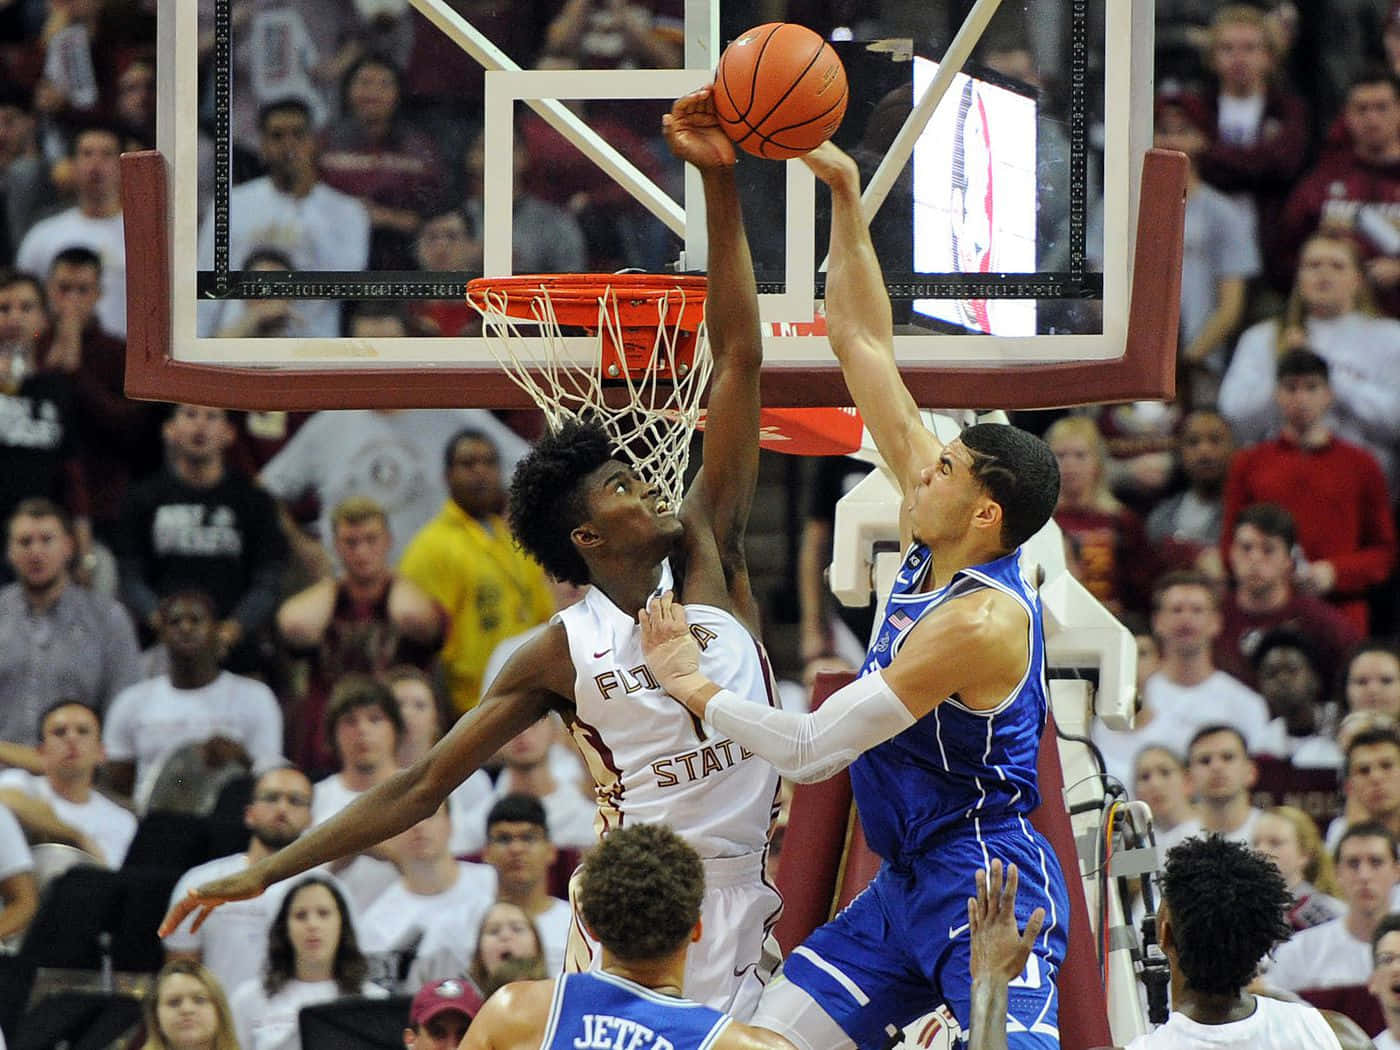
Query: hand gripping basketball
[204,899]
[692,131]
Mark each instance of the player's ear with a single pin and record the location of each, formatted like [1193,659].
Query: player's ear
[586,536]
[987,515]
[698,932]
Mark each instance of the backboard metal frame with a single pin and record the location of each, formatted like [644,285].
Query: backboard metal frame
[1134,356]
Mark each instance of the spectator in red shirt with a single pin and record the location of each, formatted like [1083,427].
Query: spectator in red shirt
[1356,190]
[1335,491]
[1261,127]
[374,154]
[1264,597]
[1109,551]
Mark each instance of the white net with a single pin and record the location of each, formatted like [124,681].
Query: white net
[650,410]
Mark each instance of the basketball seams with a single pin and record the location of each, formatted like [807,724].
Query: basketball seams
[806,82]
[796,82]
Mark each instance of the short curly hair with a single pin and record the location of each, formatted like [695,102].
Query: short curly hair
[640,892]
[546,499]
[1227,907]
[1019,471]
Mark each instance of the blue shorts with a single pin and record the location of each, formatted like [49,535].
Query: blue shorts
[901,948]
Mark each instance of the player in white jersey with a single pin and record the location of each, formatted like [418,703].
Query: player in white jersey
[587,516]
[1210,885]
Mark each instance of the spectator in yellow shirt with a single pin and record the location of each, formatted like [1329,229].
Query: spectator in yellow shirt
[468,562]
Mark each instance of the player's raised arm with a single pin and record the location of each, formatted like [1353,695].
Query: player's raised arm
[722,494]
[861,328]
[528,686]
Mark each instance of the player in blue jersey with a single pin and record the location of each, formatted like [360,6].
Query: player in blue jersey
[640,894]
[942,729]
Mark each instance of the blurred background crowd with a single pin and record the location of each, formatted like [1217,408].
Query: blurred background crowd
[217,629]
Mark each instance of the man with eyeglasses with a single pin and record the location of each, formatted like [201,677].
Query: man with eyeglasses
[233,943]
[518,846]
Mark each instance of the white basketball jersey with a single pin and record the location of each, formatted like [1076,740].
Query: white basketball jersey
[651,760]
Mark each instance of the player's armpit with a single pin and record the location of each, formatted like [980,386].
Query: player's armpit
[975,647]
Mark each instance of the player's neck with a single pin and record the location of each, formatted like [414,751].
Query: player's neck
[660,975]
[1204,1008]
[625,587]
[949,560]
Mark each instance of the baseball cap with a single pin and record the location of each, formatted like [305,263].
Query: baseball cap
[440,997]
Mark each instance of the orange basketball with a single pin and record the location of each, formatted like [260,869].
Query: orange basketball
[780,91]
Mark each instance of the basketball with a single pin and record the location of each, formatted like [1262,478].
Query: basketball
[780,91]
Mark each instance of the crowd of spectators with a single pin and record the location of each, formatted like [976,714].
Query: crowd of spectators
[247,620]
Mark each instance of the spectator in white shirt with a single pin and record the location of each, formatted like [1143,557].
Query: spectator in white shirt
[1371,781]
[292,210]
[1188,691]
[61,805]
[530,771]
[19,893]
[237,718]
[1338,953]
[312,957]
[519,848]
[1221,776]
[232,941]
[1160,779]
[1385,979]
[364,724]
[95,222]
[434,888]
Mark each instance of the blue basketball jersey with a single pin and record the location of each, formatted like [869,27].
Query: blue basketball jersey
[601,1011]
[955,764]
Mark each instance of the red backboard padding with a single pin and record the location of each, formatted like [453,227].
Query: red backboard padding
[813,843]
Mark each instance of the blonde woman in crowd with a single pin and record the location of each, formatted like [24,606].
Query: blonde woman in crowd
[187,1010]
[1289,838]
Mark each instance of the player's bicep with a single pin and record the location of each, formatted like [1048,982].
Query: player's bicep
[722,494]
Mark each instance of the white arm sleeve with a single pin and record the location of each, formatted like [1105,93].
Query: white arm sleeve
[812,747]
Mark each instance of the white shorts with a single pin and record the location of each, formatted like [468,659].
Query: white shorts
[736,953]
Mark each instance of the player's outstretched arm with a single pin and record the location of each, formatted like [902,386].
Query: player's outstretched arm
[516,700]
[861,329]
[962,648]
[999,952]
[722,494]
[513,1019]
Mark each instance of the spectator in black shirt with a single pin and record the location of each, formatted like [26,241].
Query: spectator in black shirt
[198,525]
[38,438]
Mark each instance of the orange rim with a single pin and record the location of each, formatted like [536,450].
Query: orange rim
[575,297]
[641,302]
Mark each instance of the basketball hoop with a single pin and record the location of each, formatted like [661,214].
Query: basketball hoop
[647,371]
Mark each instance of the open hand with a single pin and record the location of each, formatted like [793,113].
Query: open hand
[692,131]
[204,899]
[998,950]
[671,652]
